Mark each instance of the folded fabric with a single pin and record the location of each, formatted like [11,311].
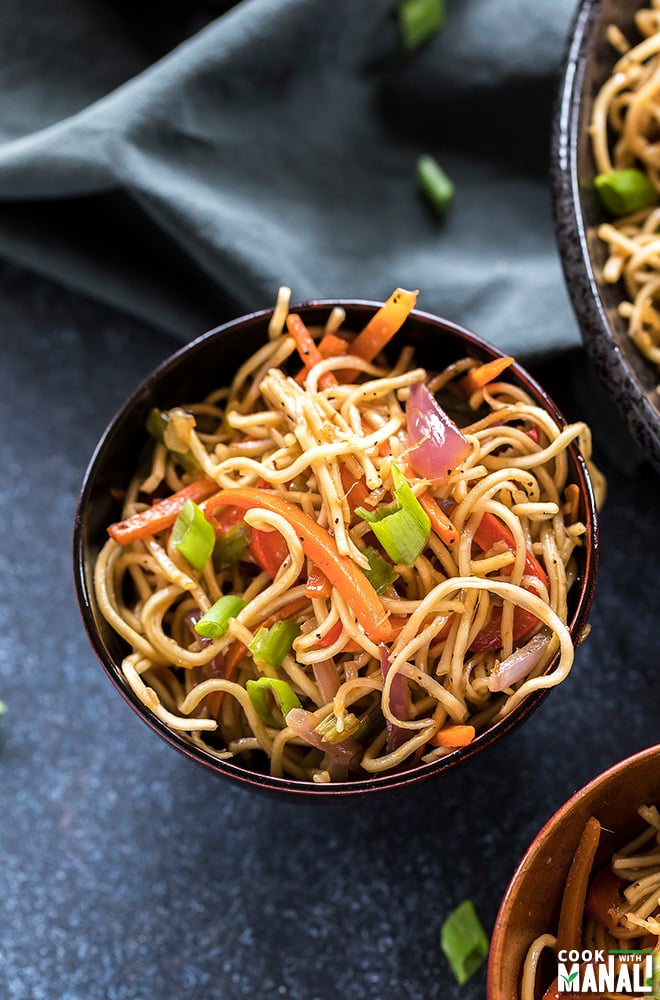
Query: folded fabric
[182,161]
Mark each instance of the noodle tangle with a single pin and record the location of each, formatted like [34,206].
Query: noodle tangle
[312,450]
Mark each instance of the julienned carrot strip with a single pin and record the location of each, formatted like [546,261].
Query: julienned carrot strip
[569,930]
[454,736]
[307,348]
[162,514]
[440,523]
[317,584]
[477,378]
[572,506]
[332,346]
[320,548]
[383,324]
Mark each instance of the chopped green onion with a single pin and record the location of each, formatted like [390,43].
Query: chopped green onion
[157,423]
[380,574]
[403,527]
[3,708]
[329,733]
[625,191]
[464,941]
[272,644]
[193,536]
[215,622]
[230,546]
[284,695]
[435,184]
[418,20]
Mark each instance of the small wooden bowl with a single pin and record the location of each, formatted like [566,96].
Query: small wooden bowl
[531,904]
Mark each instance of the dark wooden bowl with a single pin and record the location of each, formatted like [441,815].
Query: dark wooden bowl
[209,362]
[531,904]
[630,380]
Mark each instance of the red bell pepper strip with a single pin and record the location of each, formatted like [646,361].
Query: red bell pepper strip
[490,531]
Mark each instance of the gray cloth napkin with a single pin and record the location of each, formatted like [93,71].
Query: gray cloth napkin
[182,161]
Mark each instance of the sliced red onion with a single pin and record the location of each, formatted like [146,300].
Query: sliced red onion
[345,755]
[399,702]
[437,444]
[520,664]
[191,618]
[327,678]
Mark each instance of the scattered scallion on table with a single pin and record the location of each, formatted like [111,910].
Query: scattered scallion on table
[434,183]
[464,941]
[419,20]
[625,191]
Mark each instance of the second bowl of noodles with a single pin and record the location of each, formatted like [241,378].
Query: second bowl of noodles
[337,547]
[606,194]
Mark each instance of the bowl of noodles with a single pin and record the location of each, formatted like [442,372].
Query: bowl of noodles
[606,196]
[337,547]
[582,911]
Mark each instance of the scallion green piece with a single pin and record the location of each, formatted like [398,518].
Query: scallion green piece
[230,546]
[272,644]
[435,184]
[329,733]
[215,622]
[625,191]
[3,708]
[157,422]
[464,941]
[403,527]
[380,574]
[193,536]
[418,20]
[283,693]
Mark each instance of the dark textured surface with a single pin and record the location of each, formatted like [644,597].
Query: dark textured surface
[127,873]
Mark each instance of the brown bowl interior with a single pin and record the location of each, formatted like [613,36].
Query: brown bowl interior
[532,901]
[210,362]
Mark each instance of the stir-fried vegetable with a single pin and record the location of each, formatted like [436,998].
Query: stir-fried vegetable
[456,735]
[320,547]
[383,325]
[308,350]
[403,527]
[625,191]
[283,694]
[437,445]
[480,376]
[271,645]
[162,514]
[569,931]
[215,622]
[192,535]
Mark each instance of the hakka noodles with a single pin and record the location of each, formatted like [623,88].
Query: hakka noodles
[614,914]
[332,573]
[624,138]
